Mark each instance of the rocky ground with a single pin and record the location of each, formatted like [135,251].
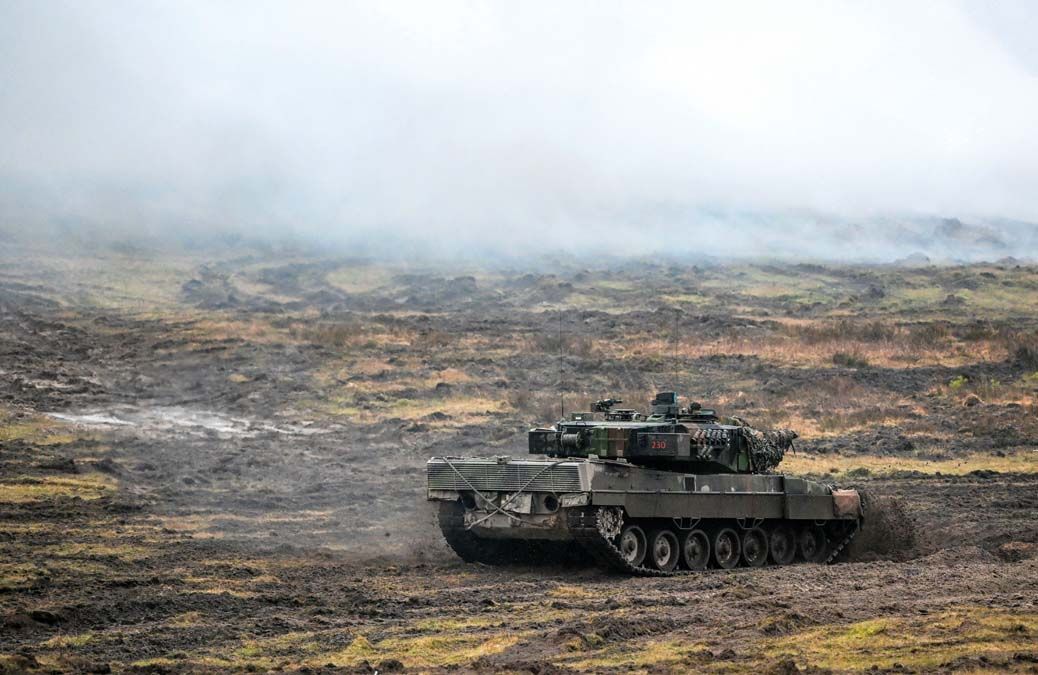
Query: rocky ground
[215,462]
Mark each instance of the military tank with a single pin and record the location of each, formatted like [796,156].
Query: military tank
[676,490]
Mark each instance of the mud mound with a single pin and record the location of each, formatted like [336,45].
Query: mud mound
[596,633]
[888,532]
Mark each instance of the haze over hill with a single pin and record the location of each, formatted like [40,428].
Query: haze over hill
[798,130]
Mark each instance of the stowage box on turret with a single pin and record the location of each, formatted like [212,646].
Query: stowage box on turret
[675,489]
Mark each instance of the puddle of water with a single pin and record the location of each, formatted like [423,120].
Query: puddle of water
[96,419]
[181,420]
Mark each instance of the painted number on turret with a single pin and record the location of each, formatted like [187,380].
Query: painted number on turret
[662,445]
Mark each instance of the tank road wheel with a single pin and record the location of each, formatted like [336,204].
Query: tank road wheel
[663,549]
[812,544]
[783,545]
[754,547]
[695,550]
[632,545]
[726,548]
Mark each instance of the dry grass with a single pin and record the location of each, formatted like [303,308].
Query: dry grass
[571,345]
[542,408]
[28,487]
[34,428]
[340,335]
[206,330]
[127,280]
[649,656]
[790,351]
[67,641]
[88,550]
[25,489]
[1024,350]
[462,409]
[1022,391]
[361,278]
[16,576]
[1022,461]
[424,651]
[922,642]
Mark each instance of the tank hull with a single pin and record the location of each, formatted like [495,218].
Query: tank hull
[625,517]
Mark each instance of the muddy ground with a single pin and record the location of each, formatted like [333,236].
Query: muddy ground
[215,462]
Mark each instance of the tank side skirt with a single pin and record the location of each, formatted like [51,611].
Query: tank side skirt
[652,504]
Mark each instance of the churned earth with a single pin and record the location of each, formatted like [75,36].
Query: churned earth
[214,462]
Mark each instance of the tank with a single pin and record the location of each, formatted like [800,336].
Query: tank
[675,490]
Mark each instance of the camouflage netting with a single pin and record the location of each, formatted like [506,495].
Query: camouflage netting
[768,447]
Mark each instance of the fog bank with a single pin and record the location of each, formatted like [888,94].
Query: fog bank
[800,129]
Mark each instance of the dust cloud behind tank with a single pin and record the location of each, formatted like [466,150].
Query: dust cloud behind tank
[679,488]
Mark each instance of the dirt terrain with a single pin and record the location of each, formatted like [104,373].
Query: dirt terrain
[214,461]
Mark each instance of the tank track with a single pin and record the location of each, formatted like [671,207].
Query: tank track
[837,550]
[588,530]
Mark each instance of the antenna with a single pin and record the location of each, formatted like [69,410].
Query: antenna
[562,396]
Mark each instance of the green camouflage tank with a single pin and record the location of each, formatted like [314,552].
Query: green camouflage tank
[677,488]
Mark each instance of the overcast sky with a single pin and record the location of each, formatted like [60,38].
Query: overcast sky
[520,123]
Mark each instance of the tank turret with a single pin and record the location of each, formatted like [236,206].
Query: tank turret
[690,439]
